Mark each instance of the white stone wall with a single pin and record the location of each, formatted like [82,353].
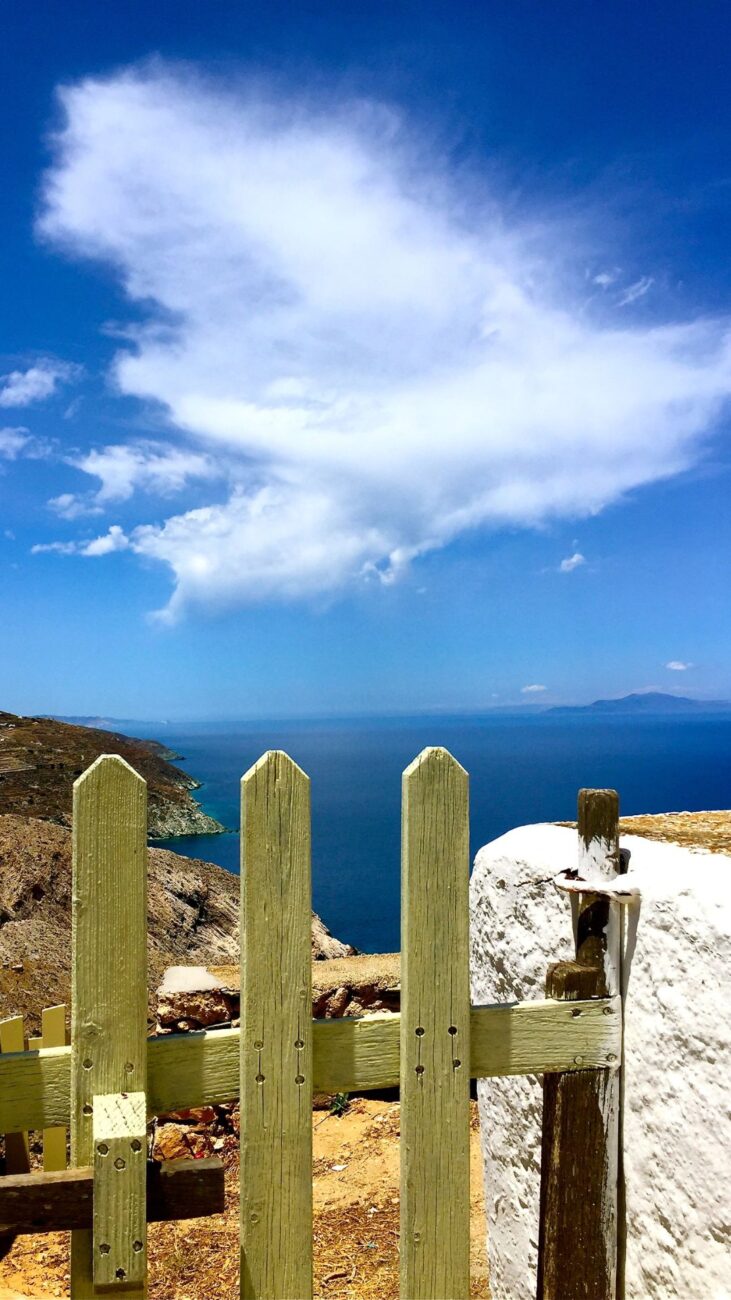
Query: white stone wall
[677,1145]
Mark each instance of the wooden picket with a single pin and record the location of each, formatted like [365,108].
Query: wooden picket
[108,1009]
[276,1032]
[53,1034]
[112,1077]
[435,1030]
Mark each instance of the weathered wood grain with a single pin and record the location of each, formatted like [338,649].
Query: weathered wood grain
[577,1256]
[120,1177]
[202,1069]
[63,1200]
[109,966]
[435,1030]
[276,1032]
[53,1034]
[17,1151]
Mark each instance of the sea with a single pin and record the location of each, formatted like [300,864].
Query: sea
[522,769]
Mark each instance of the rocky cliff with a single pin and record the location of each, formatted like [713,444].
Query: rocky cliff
[41,758]
[193,916]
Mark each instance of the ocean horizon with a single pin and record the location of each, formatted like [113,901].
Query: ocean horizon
[523,769]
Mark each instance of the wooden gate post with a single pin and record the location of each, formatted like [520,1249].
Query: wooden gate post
[435,1030]
[109,1015]
[577,1255]
[276,1032]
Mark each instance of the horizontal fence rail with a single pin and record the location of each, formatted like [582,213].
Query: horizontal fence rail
[202,1068]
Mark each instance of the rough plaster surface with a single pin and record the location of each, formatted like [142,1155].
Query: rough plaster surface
[677,1144]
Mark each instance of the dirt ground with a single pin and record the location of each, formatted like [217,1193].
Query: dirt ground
[694,830]
[704,830]
[355,1230]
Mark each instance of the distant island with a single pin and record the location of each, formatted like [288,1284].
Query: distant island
[647,702]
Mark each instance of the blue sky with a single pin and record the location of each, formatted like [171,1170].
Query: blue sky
[363,358]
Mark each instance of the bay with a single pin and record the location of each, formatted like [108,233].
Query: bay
[522,770]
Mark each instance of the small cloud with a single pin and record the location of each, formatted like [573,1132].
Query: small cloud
[115,540]
[534,689]
[605,278]
[636,290]
[571,562]
[22,387]
[144,466]
[68,506]
[677,666]
[12,442]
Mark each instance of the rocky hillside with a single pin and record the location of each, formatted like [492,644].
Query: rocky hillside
[41,758]
[193,916]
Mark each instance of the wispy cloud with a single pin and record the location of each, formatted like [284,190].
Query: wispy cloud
[126,468]
[13,442]
[533,689]
[572,562]
[20,444]
[114,540]
[70,506]
[636,291]
[678,666]
[36,384]
[346,330]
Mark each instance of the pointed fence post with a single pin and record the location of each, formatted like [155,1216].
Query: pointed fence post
[435,1030]
[108,1001]
[276,1032]
[17,1151]
[578,1234]
[53,1034]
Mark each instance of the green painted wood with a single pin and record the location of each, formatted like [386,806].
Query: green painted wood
[276,1032]
[120,1188]
[17,1151]
[53,1034]
[109,966]
[202,1069]
[435,1030]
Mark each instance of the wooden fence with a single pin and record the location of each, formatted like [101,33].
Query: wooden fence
[113,1078]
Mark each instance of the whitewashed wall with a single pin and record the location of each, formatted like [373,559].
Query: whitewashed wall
[677,1144]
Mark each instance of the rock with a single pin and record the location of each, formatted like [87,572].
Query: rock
[196,997]
[324,945]
[338,1002]
[171,1142]
[198,1115]
[181,1142]
[677,1034]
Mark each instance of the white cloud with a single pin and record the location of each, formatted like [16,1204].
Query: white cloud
[13,442]
[677,666]
[19,444]
[572,562]
[534,689]
[145,466]
[605,278]
[126,468]
[347,329]
[114,540]
[70,506]
[22,387]
[636,290]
